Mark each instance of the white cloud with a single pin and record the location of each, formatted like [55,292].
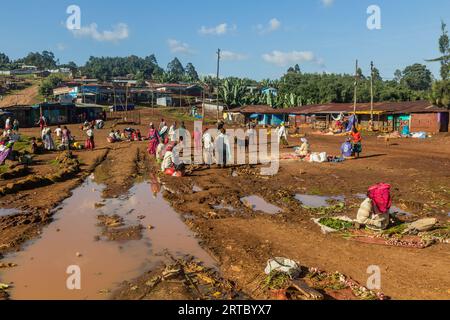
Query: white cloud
[176,46]
[232,56]
[119,32]
[327,3]
[273,25]
[218,30]
[284,59]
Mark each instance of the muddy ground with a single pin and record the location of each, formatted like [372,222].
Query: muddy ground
[242,240]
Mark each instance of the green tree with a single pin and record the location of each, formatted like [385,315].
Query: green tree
[440,93]
[191,73]
[4,61]
[233,92]
[398,75]
[444,49]
[376,75]
[44,60]
[140,79]
[175,70]
[417,77]
[47,86]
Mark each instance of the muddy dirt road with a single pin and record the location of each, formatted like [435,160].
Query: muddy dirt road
[212,204]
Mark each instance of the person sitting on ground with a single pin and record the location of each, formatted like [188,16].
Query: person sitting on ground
[304,149]
[138,135]
[111,137]
[168,159]
[34,148]
[347,149]
[124,136]
[160,152]
[374,210]
[118,136]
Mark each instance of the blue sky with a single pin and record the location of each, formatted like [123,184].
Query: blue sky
[260,38]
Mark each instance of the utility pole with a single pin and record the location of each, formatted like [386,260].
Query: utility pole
[356,85]
[371,92]
[218,83]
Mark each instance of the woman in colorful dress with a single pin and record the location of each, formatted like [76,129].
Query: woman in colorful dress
[49,144]
[357,141]
[90,144]
[65,138]
[154,140]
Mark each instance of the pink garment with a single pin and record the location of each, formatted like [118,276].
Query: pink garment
[380,194]
[198,140]
[154,141]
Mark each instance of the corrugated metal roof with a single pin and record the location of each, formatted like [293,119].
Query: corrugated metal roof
[420,106]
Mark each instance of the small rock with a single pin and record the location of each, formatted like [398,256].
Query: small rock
[78,254]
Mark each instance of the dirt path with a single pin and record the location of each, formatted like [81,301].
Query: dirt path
[23,97]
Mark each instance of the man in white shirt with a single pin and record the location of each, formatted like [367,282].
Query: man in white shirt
[58,131]
[282,134]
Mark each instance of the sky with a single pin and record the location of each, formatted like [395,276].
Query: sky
[259,38]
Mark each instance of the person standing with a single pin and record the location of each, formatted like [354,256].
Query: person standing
[163,132]
[282,134]
[8,124]
[208,148]
[90,139]
[65,138]
[47,139]
[223,149]
[16,125]
[197,140]
[42,122]
[58,132]
[161,124]
[357,142]
[172,132]
[153,140]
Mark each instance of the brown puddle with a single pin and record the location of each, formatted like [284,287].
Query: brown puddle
[257,203]
[70,240]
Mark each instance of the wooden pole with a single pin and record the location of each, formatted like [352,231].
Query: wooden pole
[356,84]
[218,84]
[371,92]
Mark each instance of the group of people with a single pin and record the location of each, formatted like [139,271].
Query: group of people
[352,147]
[7,140]
[12,125]
[167,145]
[128,134]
